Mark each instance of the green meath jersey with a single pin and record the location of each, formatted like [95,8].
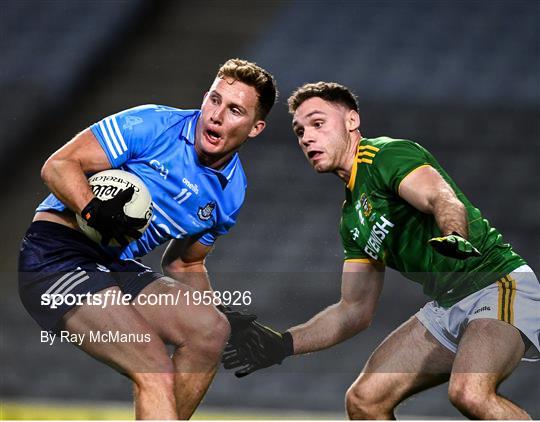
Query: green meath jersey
[378,225]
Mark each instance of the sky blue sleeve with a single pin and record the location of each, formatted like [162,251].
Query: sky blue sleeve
[129,133]
[210,237]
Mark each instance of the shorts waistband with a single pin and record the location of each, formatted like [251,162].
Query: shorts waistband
[49,227]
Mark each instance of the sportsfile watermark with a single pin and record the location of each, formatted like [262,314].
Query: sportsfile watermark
[459,303]
[116,297]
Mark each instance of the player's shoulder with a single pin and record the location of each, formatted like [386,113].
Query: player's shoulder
[156,114]
[386,148]
[386,142]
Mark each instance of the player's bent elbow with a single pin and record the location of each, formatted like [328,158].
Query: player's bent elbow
[357,322]
[361,324]
[51,169]
[46,171]
[357,317]
[176,267]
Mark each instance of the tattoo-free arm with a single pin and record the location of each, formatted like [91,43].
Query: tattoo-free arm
[64,171]
[360,289]
[183,260]
[427,191]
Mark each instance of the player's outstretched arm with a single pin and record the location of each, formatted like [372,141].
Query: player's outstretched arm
[427,191]
[64,171]
[263,347]
[360,290]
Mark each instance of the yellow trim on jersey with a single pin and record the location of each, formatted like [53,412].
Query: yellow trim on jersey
[378,264]
[507,295]
[371,147]
[412,171]
[361,260]
[360,154]
[352,179]
[513,293]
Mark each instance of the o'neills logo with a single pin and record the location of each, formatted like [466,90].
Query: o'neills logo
[378,232]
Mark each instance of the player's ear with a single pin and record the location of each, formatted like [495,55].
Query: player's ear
[204,96]
[257,128]
[352,120]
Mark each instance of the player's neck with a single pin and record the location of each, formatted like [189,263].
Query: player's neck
[345,170]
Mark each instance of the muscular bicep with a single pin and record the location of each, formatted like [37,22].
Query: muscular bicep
[85,150]
[423,186]
[361,285]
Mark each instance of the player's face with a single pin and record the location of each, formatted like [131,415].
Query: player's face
[228,119]
[321,129]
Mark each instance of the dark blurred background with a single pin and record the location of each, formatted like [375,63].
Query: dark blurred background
[459,77]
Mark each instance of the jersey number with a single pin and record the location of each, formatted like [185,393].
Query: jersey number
[183,196]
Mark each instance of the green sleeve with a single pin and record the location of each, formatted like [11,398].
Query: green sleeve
[396,160]
[351,249]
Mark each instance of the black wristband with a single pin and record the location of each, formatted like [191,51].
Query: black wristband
[287,343]
[88,212]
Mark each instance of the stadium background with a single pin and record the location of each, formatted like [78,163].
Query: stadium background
[461,78]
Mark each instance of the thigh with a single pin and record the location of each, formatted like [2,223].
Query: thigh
[117,335]
[488,352]
[409,360]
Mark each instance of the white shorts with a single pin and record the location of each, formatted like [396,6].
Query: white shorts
[514,299]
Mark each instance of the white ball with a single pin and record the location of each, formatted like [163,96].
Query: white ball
[109,183]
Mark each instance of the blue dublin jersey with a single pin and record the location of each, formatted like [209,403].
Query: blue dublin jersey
[157,143]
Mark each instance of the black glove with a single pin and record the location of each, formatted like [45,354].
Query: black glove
[109,219]
[454,246]
[258,347]
[239,323]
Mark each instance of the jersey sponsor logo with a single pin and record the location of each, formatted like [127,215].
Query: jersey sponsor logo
[366,205]
[192,186]
[162,108]
[205,212]
[163,171]
[131,121]
[482,309]
[102,268]
[378,233]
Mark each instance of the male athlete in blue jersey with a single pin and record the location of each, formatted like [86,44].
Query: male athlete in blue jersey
[189,161]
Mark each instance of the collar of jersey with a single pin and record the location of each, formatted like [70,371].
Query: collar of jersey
[224,174]
[354,169]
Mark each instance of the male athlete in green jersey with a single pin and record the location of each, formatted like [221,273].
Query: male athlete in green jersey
[403,211]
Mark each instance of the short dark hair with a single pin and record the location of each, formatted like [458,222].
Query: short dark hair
[328,91]
[255,76]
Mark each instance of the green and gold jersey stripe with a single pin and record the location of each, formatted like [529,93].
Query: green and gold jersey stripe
[366,153]
[507,295]
[370,147]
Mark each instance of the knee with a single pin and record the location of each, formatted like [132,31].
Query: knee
[467,397]
[211,334]
[362,402]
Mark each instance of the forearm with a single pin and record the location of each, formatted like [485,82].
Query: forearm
[333,325]
[195,276]
[67,181]
[450,214]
